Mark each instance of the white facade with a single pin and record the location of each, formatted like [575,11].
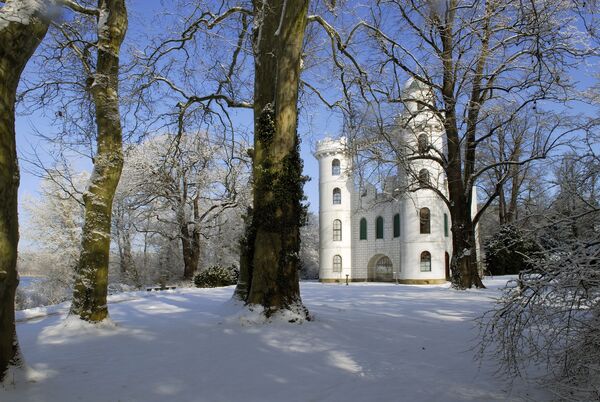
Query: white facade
[405,247]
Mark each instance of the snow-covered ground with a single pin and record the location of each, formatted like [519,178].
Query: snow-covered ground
[368,342]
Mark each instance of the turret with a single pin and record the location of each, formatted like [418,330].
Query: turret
[335,209]
[427,245]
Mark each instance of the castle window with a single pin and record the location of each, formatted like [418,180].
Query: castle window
[337,196]
[425,220]
[446,225]
[423,143]
[337,230]
[363,229]
[379,228]
[335,167]
[424,178]
[425,261]
[337,263]
[397,225]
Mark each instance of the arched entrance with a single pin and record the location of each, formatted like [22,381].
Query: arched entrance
[381,269]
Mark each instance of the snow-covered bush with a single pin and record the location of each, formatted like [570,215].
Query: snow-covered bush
[549,319]
[509,251]
[216,276]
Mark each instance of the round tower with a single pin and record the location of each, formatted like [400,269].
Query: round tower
[427,246]
[335,210]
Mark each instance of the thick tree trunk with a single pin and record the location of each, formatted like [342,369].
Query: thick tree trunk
[190,246]
[277,167]
[91,285]
[19,37]
[190,242]
[464,257]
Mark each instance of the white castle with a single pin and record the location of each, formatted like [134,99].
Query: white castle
[401,236]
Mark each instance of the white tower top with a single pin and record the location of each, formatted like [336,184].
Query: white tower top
[330,146]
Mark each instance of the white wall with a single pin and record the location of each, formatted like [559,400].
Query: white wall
[327,151]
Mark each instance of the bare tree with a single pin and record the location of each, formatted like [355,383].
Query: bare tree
[269,261]
[91,284]
[549,318]
[185,183]
[508,181]
[469,59]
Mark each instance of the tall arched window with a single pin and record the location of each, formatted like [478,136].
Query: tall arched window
[397,225]
[379,228]
[424,178]
[423,143]
[337,230]
[337,263]
[363,229]
[446,225]
[425,220]
[425,261]
[335,167]
[337,196]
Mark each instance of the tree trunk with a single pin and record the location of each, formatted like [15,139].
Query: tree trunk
[277,167]
[464,257]
[190,243]
[246,255]
[123,235]
[127,265]
[190,247]
[19,37]
[91,285]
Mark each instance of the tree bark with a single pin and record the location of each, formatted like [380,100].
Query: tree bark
[190,246]
[19,37]
[190,242]
[91,285]
[459,170]
[277,167]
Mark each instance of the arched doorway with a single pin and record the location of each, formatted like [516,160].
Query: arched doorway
[381,269]
[447,266]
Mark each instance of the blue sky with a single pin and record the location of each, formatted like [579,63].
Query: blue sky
[314,123]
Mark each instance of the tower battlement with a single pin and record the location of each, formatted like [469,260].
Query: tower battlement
[330,146]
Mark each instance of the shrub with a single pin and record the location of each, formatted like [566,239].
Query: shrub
[509,251]
[216,276]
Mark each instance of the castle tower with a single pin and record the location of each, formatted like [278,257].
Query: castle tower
[427,246]
[335,210]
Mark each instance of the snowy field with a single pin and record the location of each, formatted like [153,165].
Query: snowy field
[368,342]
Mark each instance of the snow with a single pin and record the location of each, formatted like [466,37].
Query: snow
[367,342]
[19,11]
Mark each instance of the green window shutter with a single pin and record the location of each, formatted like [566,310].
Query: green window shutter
[379,228]
[446,225]
[397,225]
[363,229]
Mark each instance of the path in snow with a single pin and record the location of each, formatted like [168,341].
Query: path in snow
[368,342]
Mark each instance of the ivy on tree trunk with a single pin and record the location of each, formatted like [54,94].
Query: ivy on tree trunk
[270,250]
